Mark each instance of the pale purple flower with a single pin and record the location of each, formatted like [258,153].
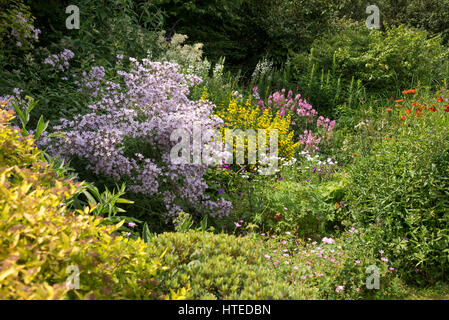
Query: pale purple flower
[328,240]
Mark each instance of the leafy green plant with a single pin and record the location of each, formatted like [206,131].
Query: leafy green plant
[399,191]
[23,110]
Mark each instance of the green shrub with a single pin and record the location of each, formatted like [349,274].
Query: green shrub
[220,266]
[399,191]
[16,28]
[303,197]
[340,268]
[430,15]
[395,60]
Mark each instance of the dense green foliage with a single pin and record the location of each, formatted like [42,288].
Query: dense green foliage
[399,191]
[362,171]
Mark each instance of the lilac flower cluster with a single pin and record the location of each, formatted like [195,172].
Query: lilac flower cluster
[60,61]
[151,104]
[91,82]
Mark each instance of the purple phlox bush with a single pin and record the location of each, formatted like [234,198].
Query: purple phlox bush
[60,62]
[149,103]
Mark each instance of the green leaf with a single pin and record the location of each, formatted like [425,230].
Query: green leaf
[146,235]
[41,127]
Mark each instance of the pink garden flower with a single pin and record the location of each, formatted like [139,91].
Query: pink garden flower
[328,240]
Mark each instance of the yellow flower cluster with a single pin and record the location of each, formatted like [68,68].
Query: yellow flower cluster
[247,116]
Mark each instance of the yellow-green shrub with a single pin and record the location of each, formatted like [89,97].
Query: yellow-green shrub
[40,238]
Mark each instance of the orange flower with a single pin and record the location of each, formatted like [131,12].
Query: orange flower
[397,101]
[411,91]
[440,99]
[355,154]
[388,109]
[407,111]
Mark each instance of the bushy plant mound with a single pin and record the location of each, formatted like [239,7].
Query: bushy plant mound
[43,243]
[394,59]
[127,135]
[220,266]
[306,198]
[340,268]
[399,192]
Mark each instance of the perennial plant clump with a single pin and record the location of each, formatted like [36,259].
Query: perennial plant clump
[144,108]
